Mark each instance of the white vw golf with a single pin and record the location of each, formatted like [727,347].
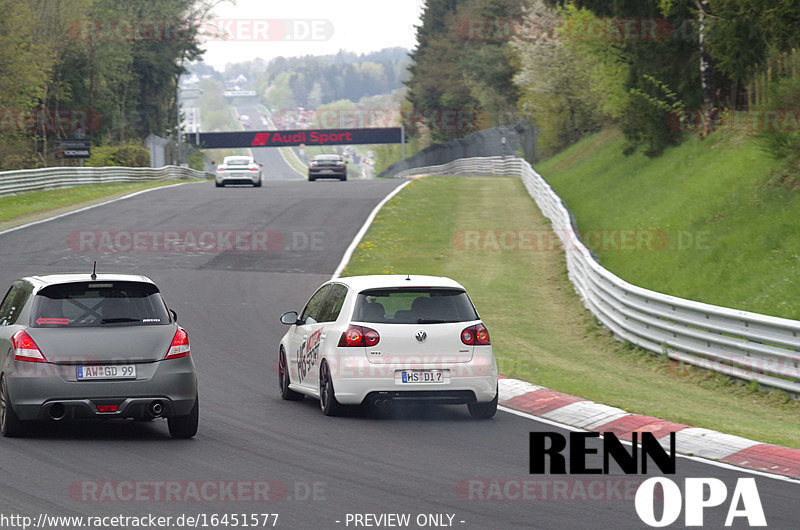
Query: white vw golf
[379,339]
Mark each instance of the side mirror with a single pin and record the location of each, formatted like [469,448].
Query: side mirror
[289,318]
[174,315]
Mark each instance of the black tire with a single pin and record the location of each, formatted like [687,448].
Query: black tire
[185,426]
[257,184]
[311,179]
[327,395]
[10,425]
[283,378]
[219,184]
[344,178]
[483,411]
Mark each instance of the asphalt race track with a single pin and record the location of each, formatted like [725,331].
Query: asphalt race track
[273,165]
[422,461]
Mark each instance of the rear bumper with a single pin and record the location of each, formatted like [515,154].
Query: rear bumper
[442,397]
[33,394]
[82,409]
[473,381]
[250,179]
[327,173]
[458,391]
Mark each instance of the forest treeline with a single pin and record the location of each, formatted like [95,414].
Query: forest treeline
[101,68]
[312,81]
[654,68]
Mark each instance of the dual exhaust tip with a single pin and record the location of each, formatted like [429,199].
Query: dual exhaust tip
[382,403]
[58,411]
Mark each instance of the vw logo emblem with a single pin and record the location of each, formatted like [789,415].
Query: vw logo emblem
[420,335]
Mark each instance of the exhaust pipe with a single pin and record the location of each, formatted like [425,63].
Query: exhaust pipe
[57,411]
[155,409]
[381,403]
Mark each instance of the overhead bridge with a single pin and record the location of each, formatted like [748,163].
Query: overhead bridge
[296,137]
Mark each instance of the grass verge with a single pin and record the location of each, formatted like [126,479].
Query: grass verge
[722,222]
[540,330]
[33,206]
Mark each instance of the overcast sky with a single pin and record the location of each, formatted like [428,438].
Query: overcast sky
[289,28]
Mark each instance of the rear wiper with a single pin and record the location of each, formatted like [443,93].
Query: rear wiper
[116,320]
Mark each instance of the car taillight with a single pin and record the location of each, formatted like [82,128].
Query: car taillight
[180,345]
[356,336]
[476,335]
[253,169]
[25,349]
[220,169]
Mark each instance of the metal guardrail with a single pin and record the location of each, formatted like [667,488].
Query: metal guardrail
[66,177]
[739,344]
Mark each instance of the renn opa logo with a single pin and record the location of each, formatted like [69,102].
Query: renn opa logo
[546,456]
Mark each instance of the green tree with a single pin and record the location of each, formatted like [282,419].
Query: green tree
[640,80]
[559,90]
[461,66]
[24,66]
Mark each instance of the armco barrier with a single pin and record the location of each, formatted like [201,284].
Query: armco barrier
[740,344]
[65,177]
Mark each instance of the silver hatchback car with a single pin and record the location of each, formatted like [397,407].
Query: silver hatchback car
[101,346]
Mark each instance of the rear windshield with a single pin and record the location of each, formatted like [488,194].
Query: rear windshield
[95,304]
[238,162]
[328,157]
[414,306]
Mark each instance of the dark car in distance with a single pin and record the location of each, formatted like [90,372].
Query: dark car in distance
[327,166]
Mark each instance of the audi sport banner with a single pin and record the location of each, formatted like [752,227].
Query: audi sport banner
[383,135]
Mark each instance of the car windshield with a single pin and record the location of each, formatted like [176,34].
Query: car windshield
[414,306]
[95,304]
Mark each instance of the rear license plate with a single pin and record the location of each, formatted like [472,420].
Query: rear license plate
[116,371]
[327,171]
[422,376]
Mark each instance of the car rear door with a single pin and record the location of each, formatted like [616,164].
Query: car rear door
[302,357]
[325,334]
[10,309]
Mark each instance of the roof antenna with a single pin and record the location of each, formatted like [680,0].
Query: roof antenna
[94,271]
[408,277]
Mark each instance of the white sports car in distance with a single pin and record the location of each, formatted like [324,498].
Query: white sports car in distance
[376,340]
[238,170]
